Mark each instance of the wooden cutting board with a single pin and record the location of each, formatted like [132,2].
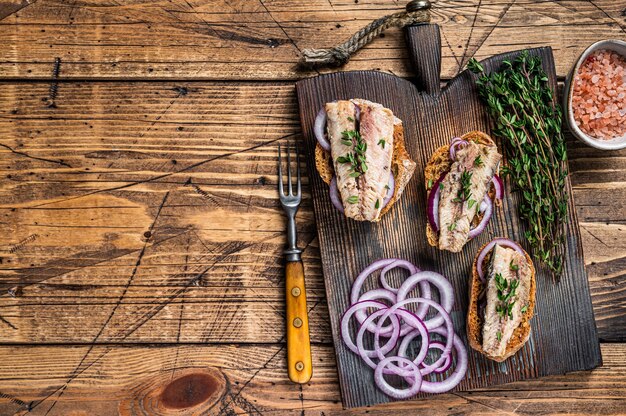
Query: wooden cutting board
[564,335]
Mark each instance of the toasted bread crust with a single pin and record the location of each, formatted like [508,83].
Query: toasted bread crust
[402,165]
[440,163]
[475,324]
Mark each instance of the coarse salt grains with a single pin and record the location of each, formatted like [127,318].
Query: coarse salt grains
[599,96]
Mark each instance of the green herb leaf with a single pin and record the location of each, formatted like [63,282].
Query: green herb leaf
[350,119]
[525,116]
[478,161]
[452,226]
[430,184]
[377,205]
[381,143]
[353,199]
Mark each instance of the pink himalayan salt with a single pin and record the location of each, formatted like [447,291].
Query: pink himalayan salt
[599,96]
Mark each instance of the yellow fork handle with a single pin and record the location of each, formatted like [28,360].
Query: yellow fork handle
[300,367]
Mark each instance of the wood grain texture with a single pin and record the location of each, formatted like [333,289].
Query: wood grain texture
[72,259]
[263,39]
[233,379]
[564,336]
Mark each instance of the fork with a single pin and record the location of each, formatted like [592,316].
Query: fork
[298,342]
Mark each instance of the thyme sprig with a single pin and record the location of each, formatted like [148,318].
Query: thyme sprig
[357,158]
[521,105]
[506,296]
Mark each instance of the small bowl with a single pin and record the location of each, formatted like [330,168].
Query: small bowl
[613,144]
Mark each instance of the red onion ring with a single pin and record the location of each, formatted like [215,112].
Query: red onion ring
[446,294]
[345,323]
[375,294]
[319,128]
[498,185]
[419,359]
[334,195]
[432,210]
[381,383]
[377,265]
[403,327]
[459,371]
[504,242]
[442,312]
[417,328]
[398,263]
[455,145]
[486,217]
[378,350]
[427,368]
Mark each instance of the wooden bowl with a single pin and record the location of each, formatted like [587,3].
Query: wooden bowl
[613,144]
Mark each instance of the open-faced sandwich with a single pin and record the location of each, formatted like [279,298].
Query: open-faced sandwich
[502,299]
[360,154]
[462,182]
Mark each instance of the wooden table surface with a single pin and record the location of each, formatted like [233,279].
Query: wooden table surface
[140,252]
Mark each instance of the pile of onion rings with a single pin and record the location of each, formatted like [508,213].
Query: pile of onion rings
[383,318]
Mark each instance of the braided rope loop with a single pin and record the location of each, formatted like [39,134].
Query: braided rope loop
[417,11]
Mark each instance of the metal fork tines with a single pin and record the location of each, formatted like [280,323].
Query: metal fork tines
[290,201]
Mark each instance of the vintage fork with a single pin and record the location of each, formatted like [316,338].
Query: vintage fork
[298,343]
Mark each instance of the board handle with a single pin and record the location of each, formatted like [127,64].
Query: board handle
[424,45]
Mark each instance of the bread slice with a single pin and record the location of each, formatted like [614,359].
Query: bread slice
[475,324]
[439,163]
[402,165]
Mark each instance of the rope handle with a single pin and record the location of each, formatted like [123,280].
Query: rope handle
[417,11]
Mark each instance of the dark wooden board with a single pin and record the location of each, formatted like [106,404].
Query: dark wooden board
[564,336]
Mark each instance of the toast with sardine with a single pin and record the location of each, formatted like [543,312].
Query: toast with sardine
[463,186]
[361,155]
[502,299]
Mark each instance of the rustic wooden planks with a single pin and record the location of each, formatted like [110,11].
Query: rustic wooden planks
[263,39]
[250,380]
[564,336]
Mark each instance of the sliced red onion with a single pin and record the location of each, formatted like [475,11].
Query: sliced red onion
[455,145]
[360,279]
[401,326]
[357,112]
[504,242]
[483,206]
[498,185]
[459,371]
[398,263]
[407,365]
[486,217]
[442,313]
[448,361]
[392,189]
[345,320]
[334,195]
[446,294]
[375,294]
[432,210]
[378,351]
[319,129]
[417,328]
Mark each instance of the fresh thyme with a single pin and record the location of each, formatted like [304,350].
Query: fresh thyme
[377,205]
[357,158]
[499,336]
[521,105]
[381,143]
[478,161]
[506,294]
[466,184]
[353,199]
